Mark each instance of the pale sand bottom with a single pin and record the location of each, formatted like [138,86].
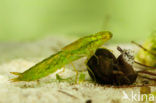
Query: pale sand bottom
[53,92]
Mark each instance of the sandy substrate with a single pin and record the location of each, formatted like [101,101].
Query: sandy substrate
[49,90]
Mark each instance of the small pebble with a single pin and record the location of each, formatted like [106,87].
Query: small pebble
[89,101]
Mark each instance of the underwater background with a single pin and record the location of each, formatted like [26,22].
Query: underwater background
[27,20]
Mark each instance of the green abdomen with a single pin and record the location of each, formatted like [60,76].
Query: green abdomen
[48,65]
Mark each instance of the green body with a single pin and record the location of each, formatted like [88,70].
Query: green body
[83,47]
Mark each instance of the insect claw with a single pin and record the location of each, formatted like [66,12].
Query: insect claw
[15,73]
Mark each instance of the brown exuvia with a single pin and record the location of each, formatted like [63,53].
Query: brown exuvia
[104,68]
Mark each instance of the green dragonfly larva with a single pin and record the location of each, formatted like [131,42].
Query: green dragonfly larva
[83,47]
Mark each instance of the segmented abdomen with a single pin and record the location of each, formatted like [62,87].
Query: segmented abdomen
[47,66]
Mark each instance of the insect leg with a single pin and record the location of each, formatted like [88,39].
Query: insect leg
[75,71]
[38,82]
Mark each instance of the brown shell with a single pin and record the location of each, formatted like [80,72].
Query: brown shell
[106,69]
